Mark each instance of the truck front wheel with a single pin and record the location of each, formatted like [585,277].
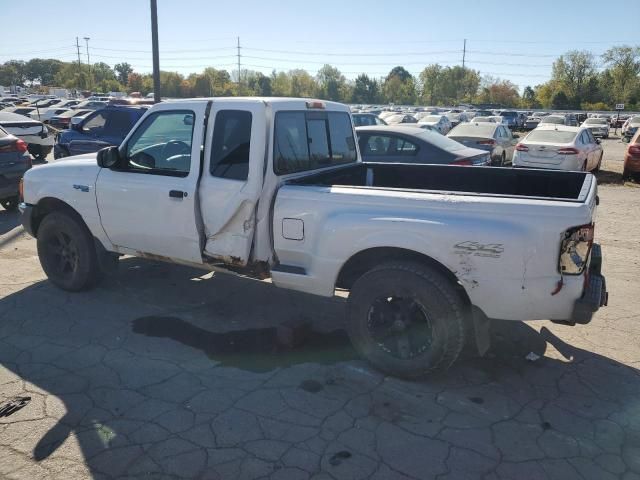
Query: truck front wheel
[407,319]
[67,252]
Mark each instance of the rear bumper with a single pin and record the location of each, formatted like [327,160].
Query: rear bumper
[595,293]
[26,217]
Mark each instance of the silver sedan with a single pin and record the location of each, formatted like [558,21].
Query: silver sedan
[491,137]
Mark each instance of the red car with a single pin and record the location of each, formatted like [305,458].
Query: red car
[632,157]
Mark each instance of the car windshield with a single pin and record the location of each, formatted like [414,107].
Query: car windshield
[553,119]
[509,114]
[430,118]
[310,140]
[472,130]
[634,120]
[551,136]
[596,121]
[453,116]
[440,141]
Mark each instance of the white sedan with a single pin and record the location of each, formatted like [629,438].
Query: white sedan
[33,133]
[438,122]
[559,147]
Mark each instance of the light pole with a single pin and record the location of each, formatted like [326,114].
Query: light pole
[155,51]
[86,39]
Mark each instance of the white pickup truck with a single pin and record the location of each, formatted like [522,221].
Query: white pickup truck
[273,187]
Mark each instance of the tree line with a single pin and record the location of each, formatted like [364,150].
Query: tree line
[579,80]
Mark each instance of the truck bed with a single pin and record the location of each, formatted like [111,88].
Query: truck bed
[509,182]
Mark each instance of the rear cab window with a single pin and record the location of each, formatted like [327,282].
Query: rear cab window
[310,140]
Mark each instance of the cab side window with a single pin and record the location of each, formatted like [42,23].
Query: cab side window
[95,123]
[161,145]
[231,145]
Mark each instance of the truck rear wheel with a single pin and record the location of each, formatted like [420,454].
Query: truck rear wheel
[406,319]
[67,252]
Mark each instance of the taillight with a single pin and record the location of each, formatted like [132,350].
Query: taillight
[522,148]
[17,146]
[634,150]
[568,151]
[486,142]
[575,249]
[462,161]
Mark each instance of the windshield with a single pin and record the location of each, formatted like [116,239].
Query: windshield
[430,118]
[551,136]
[635,120]
[438,140]
[311,140]
[553,119]
[508,114]
[471,130]
[596,121]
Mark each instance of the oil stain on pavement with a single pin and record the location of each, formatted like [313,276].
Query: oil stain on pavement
[256,349]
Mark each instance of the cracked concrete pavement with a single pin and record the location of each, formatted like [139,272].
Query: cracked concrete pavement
[169,372]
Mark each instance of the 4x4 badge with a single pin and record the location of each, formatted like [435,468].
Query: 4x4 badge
[477,249]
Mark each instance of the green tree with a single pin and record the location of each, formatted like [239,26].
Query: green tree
[42,71]
[12,73]
[399,87]
[123,70]
[280,84]
[560,101]
[302,84]
[574,71]
[431,81]
[365,90]
[331,83]
[624,67]
[528,99]
[134,82]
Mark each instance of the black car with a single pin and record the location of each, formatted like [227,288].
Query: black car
[14,161]
[410,144]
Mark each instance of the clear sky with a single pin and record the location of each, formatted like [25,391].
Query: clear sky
[517,41]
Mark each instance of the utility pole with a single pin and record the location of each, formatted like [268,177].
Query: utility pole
[239,75]
[156,53]
[464,52]
[86,39]
[78,47]
[79,64]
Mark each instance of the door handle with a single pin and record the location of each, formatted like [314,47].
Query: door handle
[177,194]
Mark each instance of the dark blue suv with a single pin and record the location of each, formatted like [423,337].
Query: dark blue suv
[102,128]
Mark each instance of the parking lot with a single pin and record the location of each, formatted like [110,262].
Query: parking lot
[170,372]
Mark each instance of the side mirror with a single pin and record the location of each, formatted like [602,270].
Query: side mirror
[108,157]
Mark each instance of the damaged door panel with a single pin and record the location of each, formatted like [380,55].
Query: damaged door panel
[232,180]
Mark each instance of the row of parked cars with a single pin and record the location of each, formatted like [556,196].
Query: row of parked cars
[553,144]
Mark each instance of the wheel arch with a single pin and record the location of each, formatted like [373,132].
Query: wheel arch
[47,205]
[365,260]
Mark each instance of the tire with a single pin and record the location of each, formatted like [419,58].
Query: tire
[10,204]
[60,153]
[597,168]
[503,160]
[625,175]
[435,334]
[67,252]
